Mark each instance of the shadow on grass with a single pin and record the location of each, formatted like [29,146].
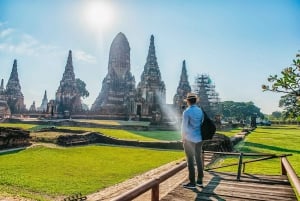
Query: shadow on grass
[159,135]
[274,128]
[11,151]
[272,148]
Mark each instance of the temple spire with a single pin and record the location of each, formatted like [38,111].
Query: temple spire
[13,85]
[14,96]
[43,106]
[45,95]
[67,95]
[182,89]
[183,77]
[69,69]
[14,72]
[151,58]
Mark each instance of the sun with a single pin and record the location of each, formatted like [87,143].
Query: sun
[98,14]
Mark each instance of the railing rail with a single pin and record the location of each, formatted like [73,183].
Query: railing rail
[288,170]
[151,184]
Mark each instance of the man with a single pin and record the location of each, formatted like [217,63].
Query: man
[192,140]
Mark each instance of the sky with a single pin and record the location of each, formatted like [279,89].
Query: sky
[237,43]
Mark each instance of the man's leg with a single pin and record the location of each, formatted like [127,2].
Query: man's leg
[198,156]
[189,148]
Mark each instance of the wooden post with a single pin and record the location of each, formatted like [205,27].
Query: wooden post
[240,167]
[283,170]
[155,193]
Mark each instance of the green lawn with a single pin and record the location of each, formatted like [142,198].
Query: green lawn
[270,139]
[42,172]
[133,135]
[18,125]
[231,132]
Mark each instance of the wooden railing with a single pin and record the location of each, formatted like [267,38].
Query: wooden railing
[151,184]
[241,163]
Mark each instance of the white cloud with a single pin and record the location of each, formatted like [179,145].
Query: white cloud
[5,32]
[16,42]
[83,56]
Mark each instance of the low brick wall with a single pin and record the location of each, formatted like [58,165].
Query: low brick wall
[218,143]
[13,137]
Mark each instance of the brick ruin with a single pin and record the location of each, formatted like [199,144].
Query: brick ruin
[119,97]
[67,97]
[13,137]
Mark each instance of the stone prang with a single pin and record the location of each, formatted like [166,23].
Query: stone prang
[118,87]
[151,89]
[43,106]
[67,95]
[182,90]
[13,94]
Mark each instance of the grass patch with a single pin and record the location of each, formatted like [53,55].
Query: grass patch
[115,122]
[18,125]
[269,139]
[133,135]
[160,135]
[67,171]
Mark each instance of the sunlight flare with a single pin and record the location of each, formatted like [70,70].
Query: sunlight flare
[99,14]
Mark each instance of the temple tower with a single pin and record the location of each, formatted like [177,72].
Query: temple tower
[43,106]
[67,95]
[151,88]
[182,90]
[14,96]
[118,87]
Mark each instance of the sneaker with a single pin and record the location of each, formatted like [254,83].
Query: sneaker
[199,183]
[189,186]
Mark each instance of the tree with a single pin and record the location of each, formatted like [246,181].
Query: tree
[276,114]
[289,84]
[81,86]
[240,110]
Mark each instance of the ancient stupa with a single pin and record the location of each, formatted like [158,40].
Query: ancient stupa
[118,87]
[67,95]
[14,96]
[43,106]
[151,89]
[182,90]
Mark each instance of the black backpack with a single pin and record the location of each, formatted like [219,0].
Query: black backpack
[208,128]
